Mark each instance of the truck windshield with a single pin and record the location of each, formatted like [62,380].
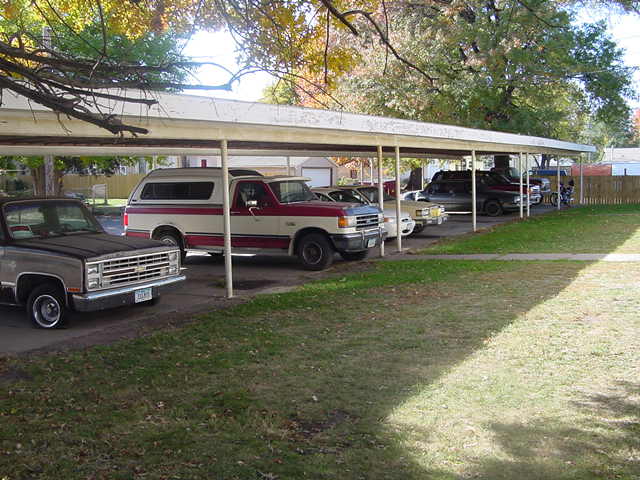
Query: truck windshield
[47,219]
[371,194]
[292,191]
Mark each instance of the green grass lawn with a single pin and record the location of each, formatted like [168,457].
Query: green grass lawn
[594,229]
[403,370]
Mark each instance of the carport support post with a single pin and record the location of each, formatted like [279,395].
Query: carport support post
[224,155]
[380,195]
[582,176]
[288,165]
[558,178]
[521,195]
[474,205]
[528,185]
[398,216]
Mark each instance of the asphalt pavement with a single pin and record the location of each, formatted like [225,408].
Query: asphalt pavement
[203,291]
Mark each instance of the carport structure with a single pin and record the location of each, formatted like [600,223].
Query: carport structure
[192,125]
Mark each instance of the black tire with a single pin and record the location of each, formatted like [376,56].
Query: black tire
[553,199]
[418,229]
[46,306]
[172,239]
[315,252]
[493,208]
[354,256]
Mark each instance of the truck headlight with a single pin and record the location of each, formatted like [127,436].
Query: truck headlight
[422,212]
[173,256]
[346,222]
[93,270]
[93,283]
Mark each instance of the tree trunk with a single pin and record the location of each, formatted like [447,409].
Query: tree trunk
[415,179]
[545,158]
[501,162]
[37,173]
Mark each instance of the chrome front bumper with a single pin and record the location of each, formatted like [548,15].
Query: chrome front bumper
[90,302]
[435,220]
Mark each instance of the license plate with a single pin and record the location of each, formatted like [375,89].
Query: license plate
[371,242]
[143,295]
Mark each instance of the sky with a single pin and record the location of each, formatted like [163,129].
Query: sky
[218,47]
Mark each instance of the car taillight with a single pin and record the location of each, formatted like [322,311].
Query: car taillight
[125,219]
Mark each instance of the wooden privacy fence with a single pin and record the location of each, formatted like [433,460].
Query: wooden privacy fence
[118,186]
[601,190]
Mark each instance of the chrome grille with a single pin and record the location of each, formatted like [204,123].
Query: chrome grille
[126,271]
[366,221]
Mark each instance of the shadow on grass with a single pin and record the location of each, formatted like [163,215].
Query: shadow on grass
[605,446]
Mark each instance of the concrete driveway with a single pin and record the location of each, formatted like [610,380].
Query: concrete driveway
[203,291]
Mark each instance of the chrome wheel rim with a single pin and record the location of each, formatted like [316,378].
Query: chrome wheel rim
[47,311]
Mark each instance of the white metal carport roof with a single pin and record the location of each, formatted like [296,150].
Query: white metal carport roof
[184,124]
[180,122]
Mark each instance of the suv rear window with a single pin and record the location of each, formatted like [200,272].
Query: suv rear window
[177,191]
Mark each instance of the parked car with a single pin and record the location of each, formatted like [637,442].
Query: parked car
[423,213]
[334,194]
[55,257]
[269,215]
[455,195]
[495,180]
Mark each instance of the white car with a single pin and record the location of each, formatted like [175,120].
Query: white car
[423,213]
[330,194]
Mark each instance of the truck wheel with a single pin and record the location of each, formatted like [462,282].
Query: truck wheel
[315,252]
[172,239]
[46,306]
[417,229]
[493,208]
[352,256]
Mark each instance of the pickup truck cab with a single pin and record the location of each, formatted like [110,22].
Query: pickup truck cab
[335,194]
[269,215]
[422,212]
[55,257]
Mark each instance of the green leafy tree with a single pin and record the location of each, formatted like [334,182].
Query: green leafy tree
[505,66]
